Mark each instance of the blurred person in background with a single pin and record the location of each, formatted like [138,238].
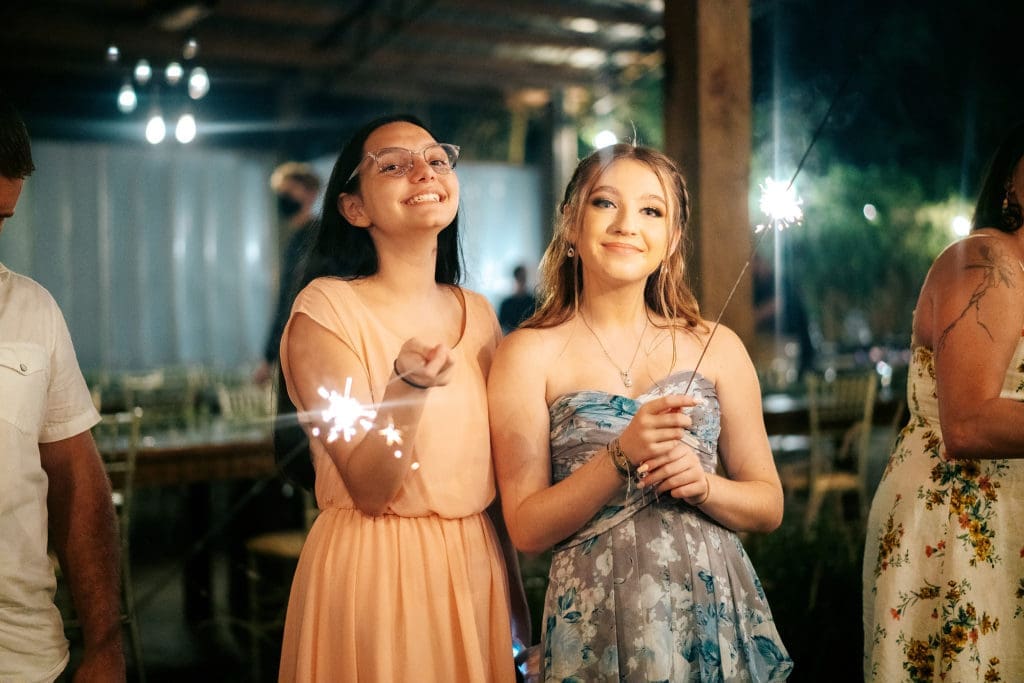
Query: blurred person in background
[54,489]
[519,305]
[297,187]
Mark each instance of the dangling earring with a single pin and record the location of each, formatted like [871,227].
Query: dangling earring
[1010,212]
[571,252]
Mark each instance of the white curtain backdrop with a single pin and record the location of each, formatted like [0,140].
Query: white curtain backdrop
[157,256]
[168,255]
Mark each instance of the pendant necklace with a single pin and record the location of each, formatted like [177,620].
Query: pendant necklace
[627,380]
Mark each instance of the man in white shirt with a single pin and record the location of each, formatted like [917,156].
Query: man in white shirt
[53,487]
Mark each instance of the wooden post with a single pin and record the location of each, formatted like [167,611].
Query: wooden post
[708,131]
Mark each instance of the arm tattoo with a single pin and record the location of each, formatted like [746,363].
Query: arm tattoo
[996,269]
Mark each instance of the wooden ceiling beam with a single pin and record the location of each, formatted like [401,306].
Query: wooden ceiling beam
[561,9]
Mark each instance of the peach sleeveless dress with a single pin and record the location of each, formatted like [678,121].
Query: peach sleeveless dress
[419,593]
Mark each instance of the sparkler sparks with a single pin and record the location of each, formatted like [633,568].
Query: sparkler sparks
[344,413]
[780,204]
[391,434]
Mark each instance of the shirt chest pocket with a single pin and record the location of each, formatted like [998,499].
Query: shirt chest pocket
[24,377]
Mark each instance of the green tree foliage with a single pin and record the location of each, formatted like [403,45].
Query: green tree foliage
[845,262]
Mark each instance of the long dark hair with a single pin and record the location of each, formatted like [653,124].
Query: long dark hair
[989,211]
[336,248]
[339,249]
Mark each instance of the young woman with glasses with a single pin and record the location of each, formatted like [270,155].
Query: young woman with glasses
[403,576]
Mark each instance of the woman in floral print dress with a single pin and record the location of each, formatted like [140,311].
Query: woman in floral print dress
[944,555]
[606,446]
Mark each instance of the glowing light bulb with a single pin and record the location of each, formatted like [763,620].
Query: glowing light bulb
[173,73]
[604,139]
[185,130]
[198,83]
[127,100]
[156,129]
[143,72]
[190,49]
[961,226]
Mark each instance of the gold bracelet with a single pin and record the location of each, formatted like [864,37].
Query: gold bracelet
[619,459]
[707,492]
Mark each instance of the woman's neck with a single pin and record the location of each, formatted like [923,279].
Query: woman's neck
[407,269]
[621,307]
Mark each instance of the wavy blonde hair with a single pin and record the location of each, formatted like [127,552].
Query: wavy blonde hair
[666,292]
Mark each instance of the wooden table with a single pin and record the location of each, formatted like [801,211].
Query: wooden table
[212,453]
[195,459]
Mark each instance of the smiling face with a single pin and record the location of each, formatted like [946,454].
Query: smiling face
[625,232]
[421,198]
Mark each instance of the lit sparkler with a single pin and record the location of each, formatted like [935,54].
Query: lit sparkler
[344,413]
[782,209]
[780,204]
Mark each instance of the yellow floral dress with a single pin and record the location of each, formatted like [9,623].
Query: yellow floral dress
[944,554]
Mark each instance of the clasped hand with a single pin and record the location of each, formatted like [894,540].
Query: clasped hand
[653,443]
[423,364]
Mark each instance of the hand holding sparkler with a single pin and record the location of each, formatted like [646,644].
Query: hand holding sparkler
[644,436]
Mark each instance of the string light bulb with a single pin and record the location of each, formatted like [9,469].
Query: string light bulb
[127,99]
[156,129]
[198,83]
[143,72]
[190,49]
[173,73]
[185,130]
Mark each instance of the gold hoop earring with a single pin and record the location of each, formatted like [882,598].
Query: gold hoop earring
[570,253]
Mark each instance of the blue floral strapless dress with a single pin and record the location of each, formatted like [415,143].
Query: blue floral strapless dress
[651,589]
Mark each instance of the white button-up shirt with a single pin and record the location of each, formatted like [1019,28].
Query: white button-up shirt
[43,398]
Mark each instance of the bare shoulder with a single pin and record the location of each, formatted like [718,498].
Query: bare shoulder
[476,301]
[518,380]
[527,343]
[725,345]
[726,356]
[986,254]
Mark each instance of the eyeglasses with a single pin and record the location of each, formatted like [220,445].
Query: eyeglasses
[395,162]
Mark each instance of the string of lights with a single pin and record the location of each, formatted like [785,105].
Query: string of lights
[171,89]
